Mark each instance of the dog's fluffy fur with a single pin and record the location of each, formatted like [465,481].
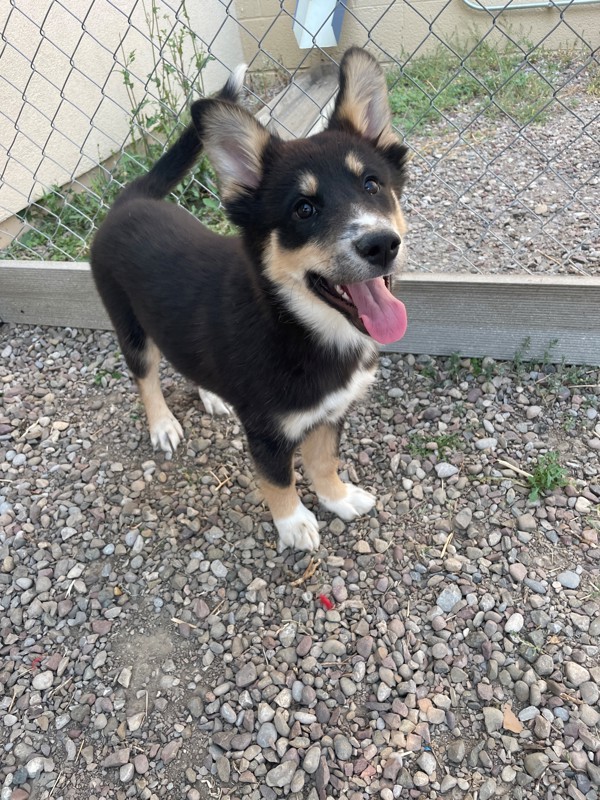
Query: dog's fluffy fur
[274,323]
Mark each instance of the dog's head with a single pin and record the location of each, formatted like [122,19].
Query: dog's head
[321,213]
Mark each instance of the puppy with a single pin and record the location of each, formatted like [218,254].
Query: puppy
[280,323]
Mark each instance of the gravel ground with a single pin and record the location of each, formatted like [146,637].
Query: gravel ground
[153,643]
[489,195]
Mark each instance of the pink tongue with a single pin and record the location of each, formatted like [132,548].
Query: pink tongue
[383,316]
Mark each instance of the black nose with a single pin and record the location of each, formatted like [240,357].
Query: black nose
[379,248]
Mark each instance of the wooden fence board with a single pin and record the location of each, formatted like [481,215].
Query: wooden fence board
[474,315]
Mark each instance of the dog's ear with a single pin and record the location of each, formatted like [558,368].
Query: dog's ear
[235,144]
[362,103]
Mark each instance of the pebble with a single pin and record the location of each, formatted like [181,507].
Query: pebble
[122,573]
[576,674]
[282,774]
[445,470]
[246,675]
[569,579]
[43,680]
[493,719]
[514,623]
[536,764]
[342,747]
[449,598]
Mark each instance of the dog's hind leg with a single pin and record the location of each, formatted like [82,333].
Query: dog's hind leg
[213,404]
[143,358]
[296,525]
[320,456]
[165,430]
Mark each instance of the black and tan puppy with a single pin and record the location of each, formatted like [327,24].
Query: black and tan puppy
[282,322]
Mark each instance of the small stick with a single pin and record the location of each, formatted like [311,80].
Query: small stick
[80,749]
[178,621]
[446,544]
[62,685]
[570,698]
[308,572]
[59,776]
[514,468]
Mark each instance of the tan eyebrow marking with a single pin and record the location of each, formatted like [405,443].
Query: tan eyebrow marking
[354,164]
[308,184]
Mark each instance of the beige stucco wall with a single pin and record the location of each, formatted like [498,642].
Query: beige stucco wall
[401,28]
[64,104]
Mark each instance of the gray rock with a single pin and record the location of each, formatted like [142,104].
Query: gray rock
[223,769]
[282,774]
[445,470]
[569,579]
[246,675]
[449,598]
[342,747]
[576,673]
[267,735]
[218,569]
[43,680]
[544,665]
[427,763]
[463,519]
[493,719]
[514,623]
[456,751]
[311,759]
[536,764]
[486,444]
[488,789]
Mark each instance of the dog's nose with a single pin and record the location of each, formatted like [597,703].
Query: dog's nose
[379,248]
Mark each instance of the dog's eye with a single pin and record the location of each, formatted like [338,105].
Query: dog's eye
[371,185]
[304,209]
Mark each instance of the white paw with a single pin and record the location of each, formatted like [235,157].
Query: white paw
[356,503]
[166,433]
[213,403]
[300,530]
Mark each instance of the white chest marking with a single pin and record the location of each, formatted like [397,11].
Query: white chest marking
[331,408]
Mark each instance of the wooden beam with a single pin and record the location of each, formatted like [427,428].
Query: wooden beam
[60,293]
[474,315]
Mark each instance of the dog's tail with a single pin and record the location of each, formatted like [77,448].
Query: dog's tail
[174,165]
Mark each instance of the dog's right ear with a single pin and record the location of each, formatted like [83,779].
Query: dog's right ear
[234,142]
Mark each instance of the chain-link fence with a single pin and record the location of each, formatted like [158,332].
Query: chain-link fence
[500,107]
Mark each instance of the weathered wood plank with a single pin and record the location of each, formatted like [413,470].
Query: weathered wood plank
[479,315]
[58,293]
[302,108]
[475,315]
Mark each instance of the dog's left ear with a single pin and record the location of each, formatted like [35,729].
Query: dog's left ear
[362,103]
[234,143]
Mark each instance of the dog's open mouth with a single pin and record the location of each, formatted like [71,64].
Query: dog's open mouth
[370,305]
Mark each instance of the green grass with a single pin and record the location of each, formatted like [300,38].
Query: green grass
[546,475]
[482,76]
[417,443]
[63,222]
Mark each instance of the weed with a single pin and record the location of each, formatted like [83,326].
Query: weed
[493,80]
[546,475]
[105,373]
[447,441]
[520,356]
[454,366]
[418,444]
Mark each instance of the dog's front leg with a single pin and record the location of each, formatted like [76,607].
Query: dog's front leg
[320,456]
[296,525]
